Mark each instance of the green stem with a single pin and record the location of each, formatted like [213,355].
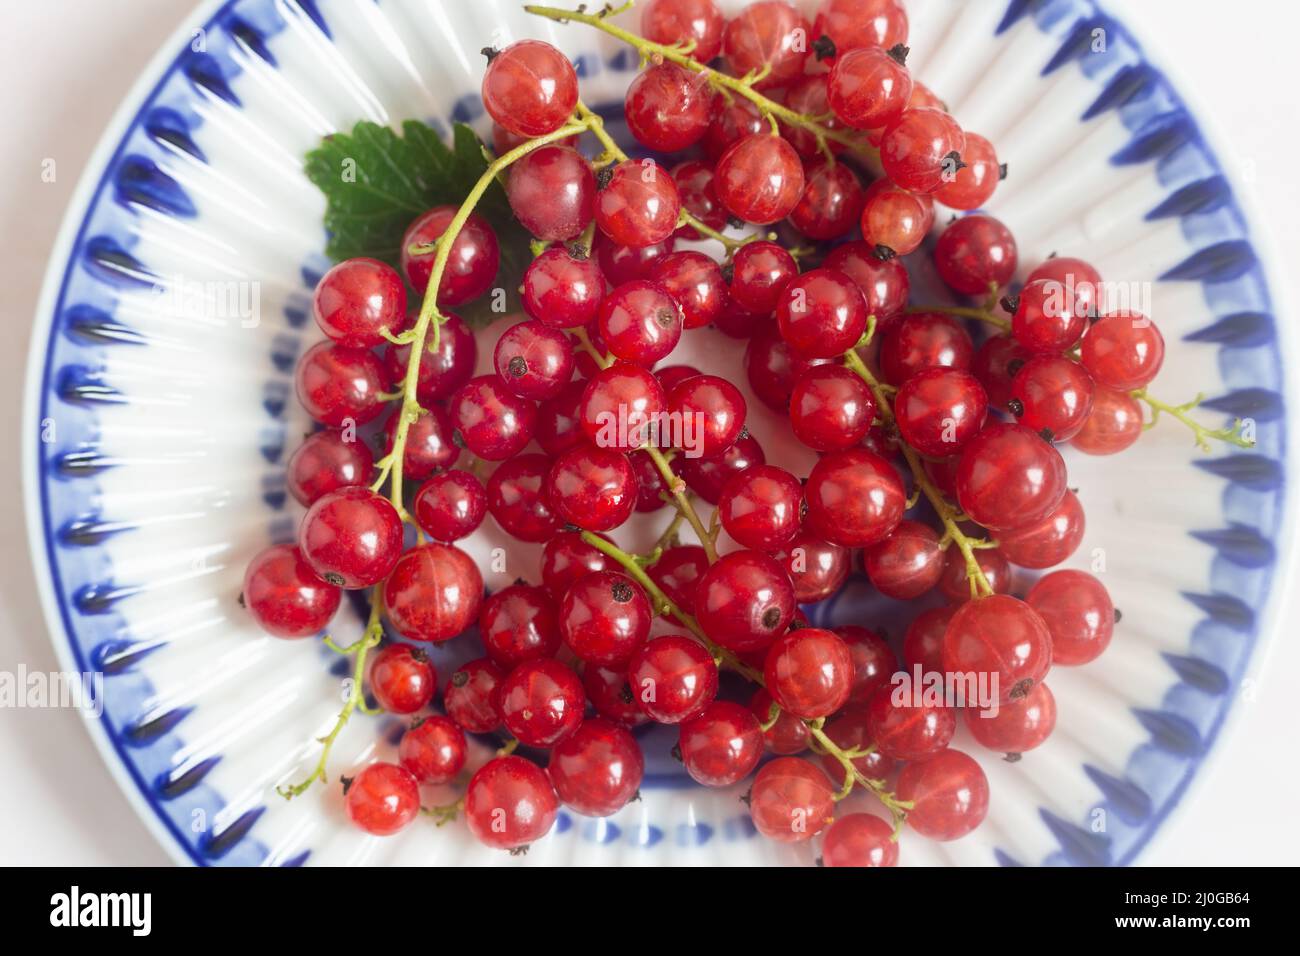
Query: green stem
[852,775]
[677,488]
[1233,434]
[964,312]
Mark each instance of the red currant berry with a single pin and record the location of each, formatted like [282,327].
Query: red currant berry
[759,178]
[609,692]
[831,203]
[831,408]
[791,800]
[339,385]
[695,283]
[949,795]
[855,498]
[694,181]
[1114,423]
[639,205]
[668,107]
[621,263]
[510,803]
[620,405]
[494,422]
[530,88]
[434,593]
[597,769]
[975,181]
[566,558]
[552,192]
[1009,478]
[1078,613]
[908,729]
[874,662]
[685,21]
[1049,542]
[450,505]
[534,360]
[821,314]
[471,266]
[906,564]
[673,678]
[955,581]
[895,220]
[402,679]
[1123,351]
[768,38]
[430,442]
[711,412]
[651,489]
[358,300]
[640,322]
[351,537]
[1080,282]
[976,254]
[326,462]
[1046,317]
[605,617]
[1001,637]
[939,410]
[921,150]
[722,745]
[760,272]
[593,488]
[433,750]
[760,507]
[860,839]
[788,735]
[731,122]
[561,290]
[678,572]
[708,476]
[744,601]
[816,567]
[517,624]
[1052,395]
[471,697]
[541,702]
[856,23]
[923,642]
[285,596]
[443,371]
[809,672]
[382,799]
[559,426]
[1016,727]
[883,282]
[924,340]
[996,364]
[735,321]
[670,376]
[517,498]
[869,88]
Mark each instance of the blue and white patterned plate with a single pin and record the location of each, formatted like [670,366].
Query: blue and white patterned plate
[160,409]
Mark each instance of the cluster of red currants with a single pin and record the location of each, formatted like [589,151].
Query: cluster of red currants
[878,389]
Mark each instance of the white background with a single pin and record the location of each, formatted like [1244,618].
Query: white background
[66,64]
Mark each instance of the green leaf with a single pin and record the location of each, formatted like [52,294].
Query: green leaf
[376,181]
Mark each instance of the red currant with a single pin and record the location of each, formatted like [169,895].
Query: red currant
[434,593]
[530,88]
[731,121]
[678,572]
[760,507]
[510,803]
[1079,281]
[517,624]
[821,314]
[921,150]
[791,800]
[494,422]
[694,181]
[759,178]
[1002,637]
[860,839]
[339,385]
[744,601]
[433,750]
[517,498]
[450,505]
[608,690]
[768,38]
[673,678]
[809,672]
[695,282]
[976,180]
[923,641]
[430,442]
[593,488]
[708,476]
[949,795]
[869,88]
[1009,478]
[442,372]
[1114,423]
[1052,395]
[924,340]
[541,702]
[326,462]
[639,205]
[620,405]
[874,662]
[285,595]
[640,322]
[976,255]
[566,558]
[939,410]
[857,23]
[471,266]
[402,679]
[1078,613]
[382,799]
[562,290]
[849,731]
[358,300]
[552,192]
[907,729]
[559,424]
[597,769]
[351,537]
[816,567]
[831,203]
[471,697]
[906,564]
[996,364]
[685,21]
[788,735]
[721,745]
[955,580]
[1047,318]
[668,107]
[1050,541]
[895,220]
[711,412]
[831,408]
[605,617]
[621,263]
[1123,350]
[884,283]
[855,497]
[760,272]
[1016,727]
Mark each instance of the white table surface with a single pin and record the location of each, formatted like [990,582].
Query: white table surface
[66,64]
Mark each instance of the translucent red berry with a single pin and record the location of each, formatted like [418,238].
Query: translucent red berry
[285,595]
[433,593]
[510,803]
[530,88]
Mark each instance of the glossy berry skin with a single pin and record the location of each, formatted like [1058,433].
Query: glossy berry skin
[975,182]
[816,567]
[694,179]
[1123,350]
[494,422]
[611,695]
[1003,637]
[471,696]
[857,23]
[906,564]
[807,95]
[442,372]
[510,803]
[1050,541]
[809,672]
[605,617]
[552,192]
[433,750]
[924,340]
[770,33]
[874,661]
[760,507]
[789,735]
[559,428]
[430,442]
[744,601]
[868,88]
[849,731]
[621,263]
[831,408]
[975,254]
[533,360]
[884,283]
[640,322]
[683,21]
[955,581]
[855,498]
[678,572]
[593,488]
[357,299]
[530,88]
[541,702]
[917,149]
[1009,478]
[597,769]
[831,202]
[472,265]
[821,314]
[949,793]
[402,679]
[285,596]
[923,641]
[939,410]
[1114,423]
[791,800]
[1016,727]
[639,205]
[667,107]
[715,410]
[351,537]
[566,558]
[619,405]
[650,486]
[707,476]
[759,178]
[908,730]
[325,463]
[450,505]
[695,283]
[519,623]
[895,219]
[340,385]
[996,364]
[673,678]
[1052,395]
[721,745]
[382,799]
[860,839]
[1078,613]
[1047,318]
[760,272]
[562,291]
[434,593]
[517,498]
[1079,281]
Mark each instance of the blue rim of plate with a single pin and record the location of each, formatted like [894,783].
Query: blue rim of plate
[74,326]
